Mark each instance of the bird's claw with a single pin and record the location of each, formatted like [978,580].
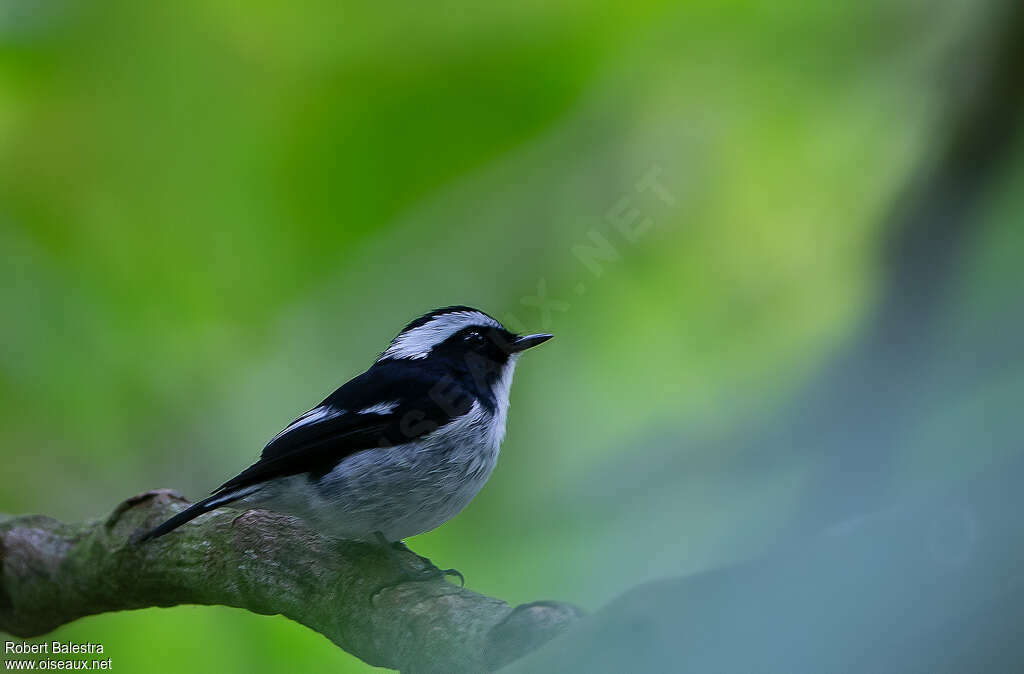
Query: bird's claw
[430,572]
[454,572]
[420,576]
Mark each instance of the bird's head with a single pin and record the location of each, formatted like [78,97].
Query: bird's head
[460,338]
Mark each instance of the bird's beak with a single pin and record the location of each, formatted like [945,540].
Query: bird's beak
[528,342]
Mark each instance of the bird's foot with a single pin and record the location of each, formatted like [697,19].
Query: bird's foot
[432,570]
[428,572]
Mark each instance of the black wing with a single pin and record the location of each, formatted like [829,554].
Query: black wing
[390,404]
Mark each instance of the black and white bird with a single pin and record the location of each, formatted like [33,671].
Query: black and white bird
[398,450]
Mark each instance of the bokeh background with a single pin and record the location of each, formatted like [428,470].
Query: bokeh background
[779,245]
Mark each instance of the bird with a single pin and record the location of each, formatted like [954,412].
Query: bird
[399,449]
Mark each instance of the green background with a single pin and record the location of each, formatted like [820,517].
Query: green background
[213,213]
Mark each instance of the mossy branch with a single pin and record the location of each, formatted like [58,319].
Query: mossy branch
[53,573]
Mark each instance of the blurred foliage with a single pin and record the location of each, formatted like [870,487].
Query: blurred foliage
[213,214]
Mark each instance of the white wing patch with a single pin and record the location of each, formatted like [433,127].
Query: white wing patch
[234,495]
[311,417]
[379,408]
[418,342]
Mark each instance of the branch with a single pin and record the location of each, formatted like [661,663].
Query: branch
[53,573]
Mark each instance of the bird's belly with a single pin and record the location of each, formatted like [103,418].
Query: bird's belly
[398,491]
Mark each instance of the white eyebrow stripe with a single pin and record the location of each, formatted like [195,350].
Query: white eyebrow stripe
[311,417]
[418,342]
[380,408]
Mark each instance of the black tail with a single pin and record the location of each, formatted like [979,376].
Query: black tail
[193,511]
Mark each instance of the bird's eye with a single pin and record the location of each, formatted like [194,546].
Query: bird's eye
[474,337]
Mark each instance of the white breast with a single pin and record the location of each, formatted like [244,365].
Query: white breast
[501,393]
